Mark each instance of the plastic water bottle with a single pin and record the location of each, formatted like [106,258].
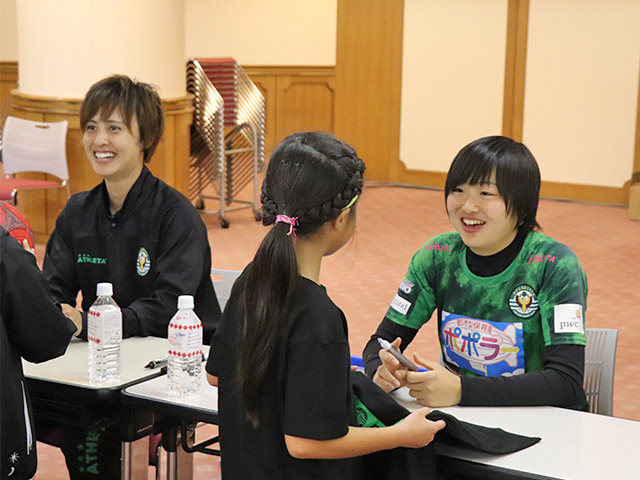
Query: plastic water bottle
[104,335]
[184,370]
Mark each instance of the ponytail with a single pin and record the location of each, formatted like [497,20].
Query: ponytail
[311,176]
[267,305]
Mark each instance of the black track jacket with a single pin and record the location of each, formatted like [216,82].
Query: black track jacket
[154,249]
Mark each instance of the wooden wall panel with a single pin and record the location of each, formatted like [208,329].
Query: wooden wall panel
[515,69]
[636,152]
[8,79]
[304,103]
[296,99]
[368,82]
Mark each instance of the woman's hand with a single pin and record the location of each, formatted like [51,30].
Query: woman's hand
[391,374]
[437,387]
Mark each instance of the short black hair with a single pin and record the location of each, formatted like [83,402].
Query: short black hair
[517,175]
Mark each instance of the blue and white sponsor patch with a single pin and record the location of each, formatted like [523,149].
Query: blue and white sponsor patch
[401,305]
[485,347]
[406,286]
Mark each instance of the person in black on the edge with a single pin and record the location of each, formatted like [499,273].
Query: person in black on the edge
[31,327]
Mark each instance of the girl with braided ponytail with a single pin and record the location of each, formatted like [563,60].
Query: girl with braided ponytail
[281,354]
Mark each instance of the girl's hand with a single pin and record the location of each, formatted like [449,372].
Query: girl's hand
[391,374]
[75,316]
[416,431]
[436,388]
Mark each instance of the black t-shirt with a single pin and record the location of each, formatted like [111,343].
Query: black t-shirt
[307,394]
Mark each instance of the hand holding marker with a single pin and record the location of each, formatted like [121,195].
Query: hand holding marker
[400,357]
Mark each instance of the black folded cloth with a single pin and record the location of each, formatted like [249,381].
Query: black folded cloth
[375,401]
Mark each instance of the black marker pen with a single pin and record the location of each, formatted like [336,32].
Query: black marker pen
[159,362]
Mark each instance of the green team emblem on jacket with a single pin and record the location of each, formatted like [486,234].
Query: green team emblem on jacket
[523,301]
[143,263]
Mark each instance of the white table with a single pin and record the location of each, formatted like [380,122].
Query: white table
[178,412]
[155,393]
[574,446]
[61,391]
[72,368]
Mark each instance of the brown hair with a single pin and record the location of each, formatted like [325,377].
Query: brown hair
[132,99]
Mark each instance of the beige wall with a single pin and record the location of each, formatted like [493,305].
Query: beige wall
[8,33]
[581,82]
[452,78]
[67,45]
[259,32]
[581,92]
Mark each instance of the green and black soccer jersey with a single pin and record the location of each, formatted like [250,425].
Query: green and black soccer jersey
[495,325]
[527,318]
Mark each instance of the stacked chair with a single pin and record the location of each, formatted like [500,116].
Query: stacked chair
[227,135]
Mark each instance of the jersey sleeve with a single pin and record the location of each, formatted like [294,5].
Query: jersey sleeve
[415,299]
[563,300]
[411,308]
[558,384]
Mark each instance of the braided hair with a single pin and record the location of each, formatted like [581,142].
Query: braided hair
[311,177]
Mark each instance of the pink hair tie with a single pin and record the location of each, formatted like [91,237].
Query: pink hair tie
[291,221]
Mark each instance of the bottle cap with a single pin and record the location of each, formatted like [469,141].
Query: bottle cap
[104,289]
[185,301]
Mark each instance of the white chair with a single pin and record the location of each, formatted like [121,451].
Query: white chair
[599,368]
[29,146]
[223,284]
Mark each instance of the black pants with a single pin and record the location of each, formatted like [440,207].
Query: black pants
[89,454]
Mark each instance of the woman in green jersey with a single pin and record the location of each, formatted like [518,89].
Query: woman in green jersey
[510,301]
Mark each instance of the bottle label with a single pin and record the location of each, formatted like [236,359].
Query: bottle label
[185,341]
[104,325]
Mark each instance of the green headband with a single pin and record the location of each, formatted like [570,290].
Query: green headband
[350,204]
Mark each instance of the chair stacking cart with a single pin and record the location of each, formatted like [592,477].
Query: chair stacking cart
[227,135]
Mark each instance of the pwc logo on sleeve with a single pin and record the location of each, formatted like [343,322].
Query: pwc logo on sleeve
[568,318]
